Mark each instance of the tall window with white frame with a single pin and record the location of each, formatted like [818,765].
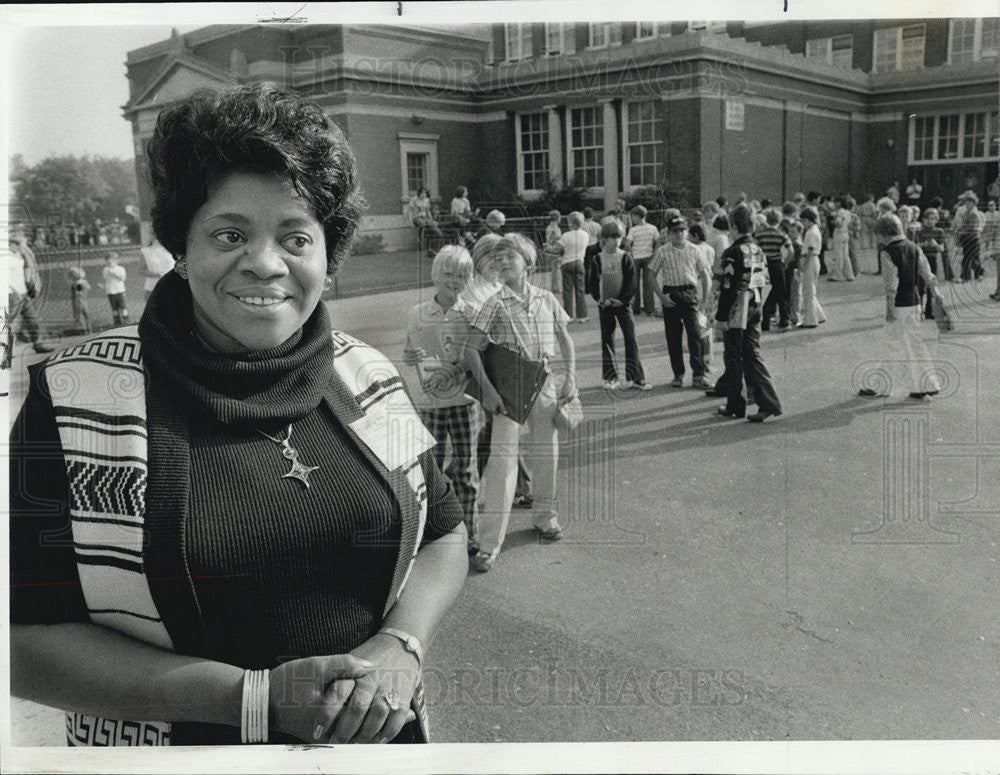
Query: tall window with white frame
[416,172]
[970,40]
[646,30]
[534,151]
[587,146]
[554,38]
[837,51]
[645,143]
[923,138]
[899,48]
[517,38]
[603,34]
[948,136]
[974,136]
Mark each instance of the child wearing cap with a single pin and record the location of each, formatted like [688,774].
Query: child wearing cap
[683,285]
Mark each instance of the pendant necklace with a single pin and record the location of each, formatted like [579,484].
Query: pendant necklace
[299,471]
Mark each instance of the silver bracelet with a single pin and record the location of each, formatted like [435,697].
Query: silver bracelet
[256,700]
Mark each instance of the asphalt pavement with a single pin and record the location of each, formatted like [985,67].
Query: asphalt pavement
[829,575]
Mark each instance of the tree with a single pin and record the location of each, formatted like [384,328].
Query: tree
[78,189]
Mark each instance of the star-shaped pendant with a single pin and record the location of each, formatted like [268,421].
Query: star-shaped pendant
[300,472]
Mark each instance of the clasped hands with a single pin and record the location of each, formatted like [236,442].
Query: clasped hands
[360,697]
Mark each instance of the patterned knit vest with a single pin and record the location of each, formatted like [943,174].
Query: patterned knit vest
[98,393]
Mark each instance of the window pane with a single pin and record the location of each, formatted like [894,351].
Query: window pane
[534,149]
[923,139]
[990,46]
[974,142]
[948,137]
[885,49]
[963,37]
[817,48]
[842,51]
[912,56]
[416,172]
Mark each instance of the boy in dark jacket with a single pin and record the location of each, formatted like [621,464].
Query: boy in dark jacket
[610,279]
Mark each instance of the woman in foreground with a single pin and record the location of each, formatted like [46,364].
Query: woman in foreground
[221,545]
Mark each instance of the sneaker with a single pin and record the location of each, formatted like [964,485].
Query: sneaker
[701,384]
[482,562]
[43,348]
[642,385]
[677,382]
[762,415]
[554,533]
[582,320]
[612,384]
[782,329]
[524,502]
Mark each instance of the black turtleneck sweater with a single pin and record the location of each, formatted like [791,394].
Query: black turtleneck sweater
[278,570]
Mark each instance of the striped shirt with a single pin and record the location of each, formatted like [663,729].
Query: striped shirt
[678,266]
[642,237]
[522,324]
[771,240]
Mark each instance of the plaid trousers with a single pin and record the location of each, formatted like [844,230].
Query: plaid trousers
[461,425]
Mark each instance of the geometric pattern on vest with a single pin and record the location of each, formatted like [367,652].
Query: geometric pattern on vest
[99,396]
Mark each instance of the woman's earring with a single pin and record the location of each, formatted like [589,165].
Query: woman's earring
[181,267]
[327,283]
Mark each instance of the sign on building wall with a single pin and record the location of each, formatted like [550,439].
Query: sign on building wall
[735,114]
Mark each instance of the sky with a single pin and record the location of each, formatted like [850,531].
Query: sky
[67,86]
[65,65]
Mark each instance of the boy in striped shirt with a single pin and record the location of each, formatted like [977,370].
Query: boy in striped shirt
[642,241]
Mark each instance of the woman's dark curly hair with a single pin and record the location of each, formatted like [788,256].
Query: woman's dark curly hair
[258,129]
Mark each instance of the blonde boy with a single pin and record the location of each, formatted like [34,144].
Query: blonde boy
[435,333]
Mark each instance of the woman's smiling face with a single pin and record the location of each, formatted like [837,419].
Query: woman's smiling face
[256,263]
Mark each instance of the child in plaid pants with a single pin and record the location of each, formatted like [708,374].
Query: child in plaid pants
[435,333]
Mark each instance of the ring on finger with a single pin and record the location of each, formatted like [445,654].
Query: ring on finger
[391,698]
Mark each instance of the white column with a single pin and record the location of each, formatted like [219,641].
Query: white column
[610,155]
[556,166]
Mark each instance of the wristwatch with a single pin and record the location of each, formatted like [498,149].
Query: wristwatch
[410,642]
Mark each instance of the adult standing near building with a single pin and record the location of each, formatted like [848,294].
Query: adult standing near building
[812,244]
[683,285]
[968,227]
[904,266]
[157,262]
[423,217]
[592,227]
[298,562]
[914,193]
[743,275]
[574,247]
[24,286]
[839,263]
